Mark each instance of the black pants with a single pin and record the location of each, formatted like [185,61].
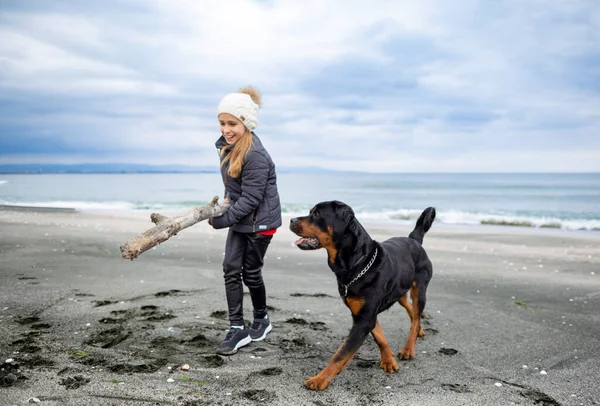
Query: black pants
[243,261]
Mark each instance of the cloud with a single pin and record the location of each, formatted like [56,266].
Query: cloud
[381,86]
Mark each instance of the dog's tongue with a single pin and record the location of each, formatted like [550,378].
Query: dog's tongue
[308,243]
[302,240]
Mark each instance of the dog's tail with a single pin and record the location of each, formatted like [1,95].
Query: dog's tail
[423,224]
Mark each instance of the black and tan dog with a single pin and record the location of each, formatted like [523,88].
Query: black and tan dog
[371,277]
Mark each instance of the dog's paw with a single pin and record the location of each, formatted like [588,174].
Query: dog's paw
[406,353]
[389,366]
[421,333]
[317,382]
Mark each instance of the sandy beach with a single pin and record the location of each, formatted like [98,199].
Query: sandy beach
[512,317]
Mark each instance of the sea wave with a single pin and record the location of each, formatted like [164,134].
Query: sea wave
[466,218]
[459,217]
[77,205]
[407,216]
[108,205]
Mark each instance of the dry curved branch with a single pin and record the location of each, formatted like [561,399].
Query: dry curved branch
[167,227]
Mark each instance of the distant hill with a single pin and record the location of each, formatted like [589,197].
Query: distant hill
[104,168]
[131,168]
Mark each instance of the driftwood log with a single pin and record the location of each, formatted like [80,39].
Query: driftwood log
[166,227]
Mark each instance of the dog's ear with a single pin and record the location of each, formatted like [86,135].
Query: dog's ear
[343,215]
[345,235]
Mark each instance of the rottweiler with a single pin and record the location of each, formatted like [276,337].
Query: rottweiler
[371,277]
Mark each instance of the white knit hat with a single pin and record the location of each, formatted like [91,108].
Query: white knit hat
[242,107]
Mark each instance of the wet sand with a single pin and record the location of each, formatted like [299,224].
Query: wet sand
[512,317]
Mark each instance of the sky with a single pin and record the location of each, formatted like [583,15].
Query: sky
[376,86]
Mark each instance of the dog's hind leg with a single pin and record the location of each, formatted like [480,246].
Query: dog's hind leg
[408,351]
[406,304]
[388,363]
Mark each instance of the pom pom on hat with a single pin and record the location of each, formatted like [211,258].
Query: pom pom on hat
[243,105]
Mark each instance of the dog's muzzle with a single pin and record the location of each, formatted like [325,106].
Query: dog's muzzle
[304,243]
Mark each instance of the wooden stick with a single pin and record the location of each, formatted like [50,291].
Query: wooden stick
[168,227]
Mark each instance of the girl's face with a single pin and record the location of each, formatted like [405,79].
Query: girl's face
[231,128]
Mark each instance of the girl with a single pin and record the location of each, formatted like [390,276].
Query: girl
[255,213]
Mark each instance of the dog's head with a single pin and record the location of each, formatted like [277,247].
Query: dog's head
[323,227]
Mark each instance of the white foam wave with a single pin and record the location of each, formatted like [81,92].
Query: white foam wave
[2,182]
[468,218]
[459,217]
[77,205]
[408,216]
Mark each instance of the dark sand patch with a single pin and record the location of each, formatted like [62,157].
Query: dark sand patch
[297,320]
[30,349]
[74,382]
[36,361]
[108,338]
[313,325]
[456,387]
[171,292]
[448,351]
[273,371]
[165,294]
[219,314]
[259,395]
[27,319]
[364,363]
[311,295]
[539,398]
[41,326]
[143,367]
[212,360]
[93,360]
[10,374]
[100,303]
[110,320]
[156,316]
[26,340]
[201,340]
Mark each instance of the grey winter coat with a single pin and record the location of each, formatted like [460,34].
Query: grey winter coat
[254,197]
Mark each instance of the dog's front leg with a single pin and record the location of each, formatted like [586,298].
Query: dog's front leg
[358,333]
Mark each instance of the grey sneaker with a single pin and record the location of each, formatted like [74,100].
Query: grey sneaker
[260,328]
[235,338]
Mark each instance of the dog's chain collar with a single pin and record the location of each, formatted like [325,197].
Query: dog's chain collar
[360,274]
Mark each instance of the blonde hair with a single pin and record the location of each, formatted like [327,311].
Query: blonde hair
[239,150]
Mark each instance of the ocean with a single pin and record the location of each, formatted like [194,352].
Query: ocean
[567,201]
